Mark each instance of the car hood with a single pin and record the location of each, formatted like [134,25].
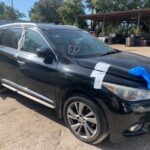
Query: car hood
[120,63]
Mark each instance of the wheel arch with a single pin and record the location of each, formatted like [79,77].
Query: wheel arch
[80,92]
[77,91]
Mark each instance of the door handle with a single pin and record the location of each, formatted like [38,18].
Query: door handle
[21,63]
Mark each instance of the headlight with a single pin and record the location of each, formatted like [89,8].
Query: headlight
[128,93]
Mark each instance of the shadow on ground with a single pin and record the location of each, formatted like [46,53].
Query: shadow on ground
[41,109]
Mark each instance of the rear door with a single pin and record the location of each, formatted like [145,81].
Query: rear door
[8,51]
[36,76]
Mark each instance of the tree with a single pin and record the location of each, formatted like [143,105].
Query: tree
[103,6]
[69,11]
[116,5]
[111,5]
[45,11]
[7,12]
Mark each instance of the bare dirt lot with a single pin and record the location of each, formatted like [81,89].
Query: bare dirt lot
[138,50]
[26,125]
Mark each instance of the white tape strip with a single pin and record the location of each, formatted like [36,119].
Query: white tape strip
[99,74]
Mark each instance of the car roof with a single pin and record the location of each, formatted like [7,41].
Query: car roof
[44,26]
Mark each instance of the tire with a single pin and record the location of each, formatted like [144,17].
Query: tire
[85,119]
[2,89]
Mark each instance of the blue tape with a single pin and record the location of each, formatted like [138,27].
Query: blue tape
[141,72]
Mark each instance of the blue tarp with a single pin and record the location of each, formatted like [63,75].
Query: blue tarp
[140,71]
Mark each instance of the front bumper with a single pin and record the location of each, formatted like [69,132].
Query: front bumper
[133,119]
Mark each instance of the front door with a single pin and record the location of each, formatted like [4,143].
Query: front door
[35,75]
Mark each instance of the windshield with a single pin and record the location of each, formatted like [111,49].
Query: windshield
[78,43]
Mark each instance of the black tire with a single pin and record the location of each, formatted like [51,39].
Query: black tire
[3,89]
[101,120]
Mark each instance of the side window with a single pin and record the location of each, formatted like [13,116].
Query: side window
[32,41]
[11,37]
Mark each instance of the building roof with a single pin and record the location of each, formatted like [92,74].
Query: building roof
[130,15]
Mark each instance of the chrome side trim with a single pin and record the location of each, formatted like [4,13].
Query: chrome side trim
[28,96]
[9,87]
[13,86]
[35,99]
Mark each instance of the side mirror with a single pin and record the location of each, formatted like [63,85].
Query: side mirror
[46,54]
[43,52]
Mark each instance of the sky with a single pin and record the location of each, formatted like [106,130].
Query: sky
[22,5]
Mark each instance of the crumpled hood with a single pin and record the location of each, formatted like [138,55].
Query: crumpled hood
[119,62]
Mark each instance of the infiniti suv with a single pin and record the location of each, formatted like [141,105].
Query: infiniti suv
[84,80]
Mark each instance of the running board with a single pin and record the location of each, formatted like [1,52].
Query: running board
[29,96]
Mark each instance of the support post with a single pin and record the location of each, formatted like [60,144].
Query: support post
[103,25]
[12,7]
[138,22]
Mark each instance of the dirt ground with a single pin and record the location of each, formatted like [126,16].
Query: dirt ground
[27,125]
[138,50]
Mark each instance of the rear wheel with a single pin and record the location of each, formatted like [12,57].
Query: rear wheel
[85,119]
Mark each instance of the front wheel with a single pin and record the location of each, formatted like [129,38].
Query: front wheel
[85,119]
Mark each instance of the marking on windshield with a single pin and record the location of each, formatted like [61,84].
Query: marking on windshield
[99,74]
[72,49]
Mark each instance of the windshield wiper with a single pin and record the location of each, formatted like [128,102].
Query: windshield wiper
[111,52]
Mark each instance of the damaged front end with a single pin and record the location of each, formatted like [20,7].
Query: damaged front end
[128,101]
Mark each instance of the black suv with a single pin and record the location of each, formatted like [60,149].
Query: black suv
[84,80]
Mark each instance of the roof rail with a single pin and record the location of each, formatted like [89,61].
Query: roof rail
[21,23]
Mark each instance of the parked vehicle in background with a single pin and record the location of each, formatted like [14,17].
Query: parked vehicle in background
[84,80]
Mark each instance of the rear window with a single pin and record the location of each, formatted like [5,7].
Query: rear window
[11,37]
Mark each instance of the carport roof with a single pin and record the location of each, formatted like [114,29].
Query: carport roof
[130,15]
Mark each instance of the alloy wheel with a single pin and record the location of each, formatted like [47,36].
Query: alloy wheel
[82,120]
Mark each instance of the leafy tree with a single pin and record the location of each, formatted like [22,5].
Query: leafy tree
[116,5]
[7,12]
[113,5]
[69,10]
[58,11]
[102,6]
[45,11]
